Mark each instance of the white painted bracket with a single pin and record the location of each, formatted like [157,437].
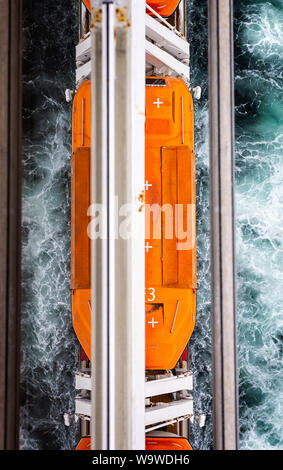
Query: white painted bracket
[162,36]
[83,407]
[83,381]
[167,411]
[83,73]
[160,413]
[153,388]
[167,51]
[167,39]
[83,51]
[160,59]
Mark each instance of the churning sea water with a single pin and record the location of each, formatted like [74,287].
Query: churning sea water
[258,33]
[49,346]
[259,208]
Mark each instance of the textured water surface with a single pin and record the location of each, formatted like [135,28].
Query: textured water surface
[259,208]
[49,346]
[200,343]
[259,170]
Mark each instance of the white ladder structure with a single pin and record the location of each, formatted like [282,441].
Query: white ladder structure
[166,49]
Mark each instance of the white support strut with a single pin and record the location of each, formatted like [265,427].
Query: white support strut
[167,411]
[153,388]
[167,39]
[117,169]
[103,255]
[160,413]
[160,59]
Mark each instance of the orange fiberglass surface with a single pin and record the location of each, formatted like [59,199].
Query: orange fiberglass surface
[170,244]
[170,254]
[163,7]
[87,4]
[151,443]
[80,201]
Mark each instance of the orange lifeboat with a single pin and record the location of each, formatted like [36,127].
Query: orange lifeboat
[165,441]
[160,440]
[170,302]
[80,202]
[170,251]
[84,444]
[87,4]
[163,7]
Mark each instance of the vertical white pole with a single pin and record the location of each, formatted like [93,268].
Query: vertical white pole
[130,309]
[103,248]
[224,331]
[118,114]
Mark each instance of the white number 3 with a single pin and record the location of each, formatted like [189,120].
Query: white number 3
[152,293]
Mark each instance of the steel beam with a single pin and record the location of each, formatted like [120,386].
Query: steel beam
[118,116]
[169,50]
[83,73]
[161,59]
[103,257]
[152,387]
[10,217]
[159,413]
[167,39]
[224,330]
[163,412]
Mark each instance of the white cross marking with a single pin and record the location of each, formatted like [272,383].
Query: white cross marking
[152,322]
[158,102]
[147,185]
[147,247]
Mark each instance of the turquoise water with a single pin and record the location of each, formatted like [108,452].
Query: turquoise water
[259,208]
[49,347]
[258,29]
